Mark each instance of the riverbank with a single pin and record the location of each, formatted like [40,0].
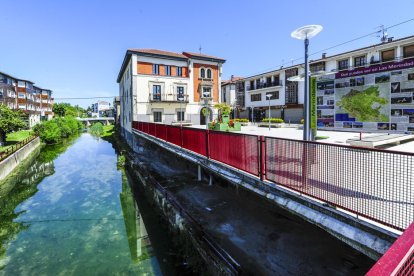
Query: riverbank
[13,161]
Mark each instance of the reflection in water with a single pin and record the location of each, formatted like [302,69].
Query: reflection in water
[13,191]
[138,240]
[71,222]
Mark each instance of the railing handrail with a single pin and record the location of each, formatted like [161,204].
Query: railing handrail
[268,150]
[9,151]
[398,257]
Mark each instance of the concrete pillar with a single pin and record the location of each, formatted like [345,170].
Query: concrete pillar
[199,172]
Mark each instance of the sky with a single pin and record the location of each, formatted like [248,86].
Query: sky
[76,47]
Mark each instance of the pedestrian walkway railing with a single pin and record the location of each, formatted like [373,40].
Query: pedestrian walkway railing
[9,151]
[371,183]
[399,258]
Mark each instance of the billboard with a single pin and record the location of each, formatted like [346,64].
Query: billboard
[378,98]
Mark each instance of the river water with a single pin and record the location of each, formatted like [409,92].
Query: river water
[71,212]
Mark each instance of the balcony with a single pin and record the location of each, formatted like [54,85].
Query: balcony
[264,85]
[167,98]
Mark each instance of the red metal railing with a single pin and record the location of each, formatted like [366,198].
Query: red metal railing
[399,258]
[376,184]
[237,150]
[9,151]
[195,140]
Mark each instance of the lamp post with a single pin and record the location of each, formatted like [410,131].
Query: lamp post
[181,99]
[268,97]
[304,33]
[206,96]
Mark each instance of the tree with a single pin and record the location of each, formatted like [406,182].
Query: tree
[59,109]
[10,120]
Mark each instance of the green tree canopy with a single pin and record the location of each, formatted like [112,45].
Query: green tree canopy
[10,120]
[65,109]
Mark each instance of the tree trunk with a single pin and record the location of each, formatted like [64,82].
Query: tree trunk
[2,138]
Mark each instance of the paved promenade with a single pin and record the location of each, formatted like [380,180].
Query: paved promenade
[334,137]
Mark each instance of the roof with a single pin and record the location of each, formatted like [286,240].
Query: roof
[19,79]
[204,57]
[164,54]
[158,53]
[330,57]
[233,79]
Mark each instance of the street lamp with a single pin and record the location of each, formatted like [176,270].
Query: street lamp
[206,96]
[304,33]
[181,99]
[268,97]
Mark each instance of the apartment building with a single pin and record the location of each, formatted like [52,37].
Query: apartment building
[168,87]
[229,89]
[100,108]
[387,68]
[22,94]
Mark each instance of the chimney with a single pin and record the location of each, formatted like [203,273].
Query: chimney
[323,55]
[232,77]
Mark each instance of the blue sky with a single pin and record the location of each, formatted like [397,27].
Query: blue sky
[76,47]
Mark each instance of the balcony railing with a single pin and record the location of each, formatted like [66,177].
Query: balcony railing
[167,97]
[264,85]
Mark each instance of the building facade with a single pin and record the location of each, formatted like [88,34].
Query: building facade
[167,87]
[287,97]
[229,93]
[100,108]
[21,94]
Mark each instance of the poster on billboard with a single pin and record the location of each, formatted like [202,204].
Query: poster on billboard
[379,98]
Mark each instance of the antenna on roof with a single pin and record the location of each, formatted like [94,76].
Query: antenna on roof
[199,49]
[382,33]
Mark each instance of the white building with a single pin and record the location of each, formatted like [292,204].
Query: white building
[167,87]
[286,100]
[100,107]
[229,91]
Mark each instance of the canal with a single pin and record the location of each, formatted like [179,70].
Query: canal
[70,210]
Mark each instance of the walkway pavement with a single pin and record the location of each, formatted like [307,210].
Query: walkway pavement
[334,137]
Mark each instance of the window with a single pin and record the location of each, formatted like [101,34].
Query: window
[269,81]
[388,55]
[316,67]
[156,92]
[21,84]
[408,51]
[255,97]
[206,92]
[274,95]
[22,96]
[343,64]
[209,73]
[202,73]
[157,116]
[180,93]
[167,70]
[22,106]
[359,61]
[156,69]
[257,83]
[179,71]
[180,116]
[251,85]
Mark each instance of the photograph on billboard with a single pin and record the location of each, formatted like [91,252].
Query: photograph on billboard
[378,98]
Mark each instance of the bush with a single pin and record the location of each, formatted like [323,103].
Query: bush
[241,120]
[273,120]
[302,121]
[97,129]
[53,131]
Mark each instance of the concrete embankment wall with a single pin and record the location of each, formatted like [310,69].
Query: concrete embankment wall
[365,237]
[11,162]
[201,250]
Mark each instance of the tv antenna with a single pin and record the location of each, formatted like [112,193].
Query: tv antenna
[382,33]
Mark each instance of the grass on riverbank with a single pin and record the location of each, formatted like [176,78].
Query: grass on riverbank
[15,137]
